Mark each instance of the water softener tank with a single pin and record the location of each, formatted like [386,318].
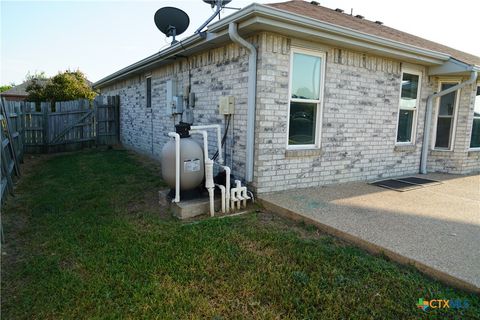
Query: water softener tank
[191,160]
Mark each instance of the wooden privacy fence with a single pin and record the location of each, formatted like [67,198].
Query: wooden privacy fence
[12,149]
[71,125]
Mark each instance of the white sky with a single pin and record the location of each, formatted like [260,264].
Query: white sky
[100,37]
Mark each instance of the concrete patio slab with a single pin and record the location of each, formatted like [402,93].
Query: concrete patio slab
[435,228]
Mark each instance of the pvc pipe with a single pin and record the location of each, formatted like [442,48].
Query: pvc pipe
[428,118]
[227,187]
[177,165]
[233,198]
[222,190]
[245,196]
[252,86]
[209,184]
[205,142]
[219,137]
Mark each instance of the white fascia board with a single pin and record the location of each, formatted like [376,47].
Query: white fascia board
[155,58]
[452,66]
[295,21]
[341,40]
[287,20]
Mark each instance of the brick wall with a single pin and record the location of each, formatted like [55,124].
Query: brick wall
[358,125]
[217,72]
[460,160]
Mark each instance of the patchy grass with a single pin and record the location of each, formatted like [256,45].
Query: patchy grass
[85,239]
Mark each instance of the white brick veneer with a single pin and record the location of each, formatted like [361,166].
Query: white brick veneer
[359,115]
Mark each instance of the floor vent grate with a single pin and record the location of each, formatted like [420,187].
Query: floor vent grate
[405,184]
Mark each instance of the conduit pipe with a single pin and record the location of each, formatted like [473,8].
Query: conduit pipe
[252,84]
[219,137]
[177,165]
[428,118]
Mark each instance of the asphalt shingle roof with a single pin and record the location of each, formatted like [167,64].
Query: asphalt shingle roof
[324,14]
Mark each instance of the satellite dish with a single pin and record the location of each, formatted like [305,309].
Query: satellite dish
[171,21]
[213,3]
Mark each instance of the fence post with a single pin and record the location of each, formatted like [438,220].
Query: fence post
[96,102]
[23,124]
[45,107]
[117,117]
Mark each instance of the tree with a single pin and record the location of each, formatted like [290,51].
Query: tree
[37,75]
[35,86]
[67,85]
[5,88]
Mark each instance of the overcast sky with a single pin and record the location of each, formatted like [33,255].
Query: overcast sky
[100,37]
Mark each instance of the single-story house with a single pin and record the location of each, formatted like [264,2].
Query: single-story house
[19,92]
[320,97]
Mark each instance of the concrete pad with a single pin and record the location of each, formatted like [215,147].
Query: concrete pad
[188,208]
[435,228]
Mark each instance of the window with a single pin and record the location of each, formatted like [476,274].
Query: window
[149,92]
[446,117]
[475,137]
[409,100]
[306,77]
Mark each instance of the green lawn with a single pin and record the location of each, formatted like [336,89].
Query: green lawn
[86,239]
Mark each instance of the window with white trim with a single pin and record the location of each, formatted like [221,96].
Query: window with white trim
[446,110]
[306,82]
[475,137]
[408,106]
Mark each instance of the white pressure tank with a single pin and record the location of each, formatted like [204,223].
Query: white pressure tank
[192,168]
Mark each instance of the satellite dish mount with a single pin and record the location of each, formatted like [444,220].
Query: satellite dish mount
[171,22]
[220,5]
[172,32]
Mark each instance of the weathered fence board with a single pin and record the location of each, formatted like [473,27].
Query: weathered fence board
[108,120]
[72,125]
[11,146]
[68,126]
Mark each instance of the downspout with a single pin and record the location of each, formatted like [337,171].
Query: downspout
[252,84]
[428,118]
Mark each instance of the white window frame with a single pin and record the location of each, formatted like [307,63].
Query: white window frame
[413,134]
[454,120]
[319,112]
[473,119]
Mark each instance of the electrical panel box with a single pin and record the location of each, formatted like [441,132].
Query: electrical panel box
[174,100]
[177,106]
[226,105]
